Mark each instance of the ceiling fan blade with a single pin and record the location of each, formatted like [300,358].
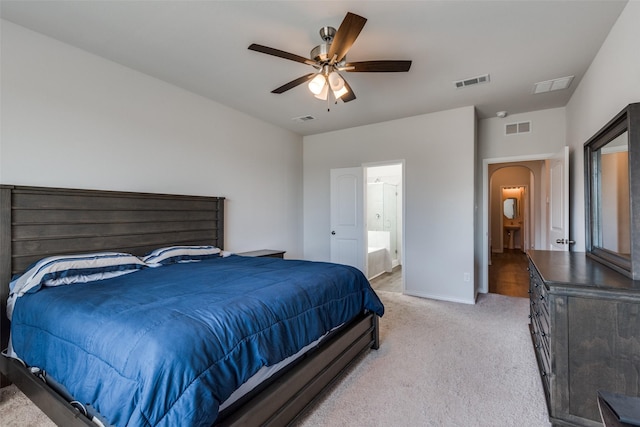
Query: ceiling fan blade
[346,35]
[294,83]
[281,54]
[376,66]
[349,96]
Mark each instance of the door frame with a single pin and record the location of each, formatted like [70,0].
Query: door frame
[402,164]
[562,233]
[484,249]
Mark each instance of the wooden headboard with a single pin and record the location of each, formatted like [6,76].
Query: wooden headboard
[36,222]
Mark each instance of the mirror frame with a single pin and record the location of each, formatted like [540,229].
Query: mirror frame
[516,212]
[628,120]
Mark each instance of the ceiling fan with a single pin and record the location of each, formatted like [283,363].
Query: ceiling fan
[329,58]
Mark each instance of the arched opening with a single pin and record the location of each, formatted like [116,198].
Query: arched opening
[513,224]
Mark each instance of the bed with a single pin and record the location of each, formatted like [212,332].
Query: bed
[38,222]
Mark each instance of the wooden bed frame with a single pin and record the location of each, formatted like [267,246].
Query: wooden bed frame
[36,222]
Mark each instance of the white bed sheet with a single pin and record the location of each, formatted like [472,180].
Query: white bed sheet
[267,372]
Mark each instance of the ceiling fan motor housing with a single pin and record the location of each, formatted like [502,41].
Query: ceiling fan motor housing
[320,53]
[327,34]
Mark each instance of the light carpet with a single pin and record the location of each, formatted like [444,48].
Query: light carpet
[442,364]
[439,364]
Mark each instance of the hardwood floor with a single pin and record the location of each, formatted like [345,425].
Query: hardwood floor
[508,273]
[391,282]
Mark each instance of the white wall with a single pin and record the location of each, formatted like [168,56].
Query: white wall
[438,150]
[611,82]
[72,119]
[547,136]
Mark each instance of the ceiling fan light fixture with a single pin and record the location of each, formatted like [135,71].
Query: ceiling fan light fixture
[329,58]
[317,84]
[335,81]
[338,93]
[323,93]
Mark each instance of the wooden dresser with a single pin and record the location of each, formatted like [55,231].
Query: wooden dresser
[585,328]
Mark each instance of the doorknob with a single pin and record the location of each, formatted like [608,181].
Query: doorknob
[333,233]
[565,242]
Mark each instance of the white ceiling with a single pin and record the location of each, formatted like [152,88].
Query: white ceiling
[201,46]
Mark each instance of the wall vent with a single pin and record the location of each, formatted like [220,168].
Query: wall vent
[515,128]
[551,85]
[472,81]
[303,119]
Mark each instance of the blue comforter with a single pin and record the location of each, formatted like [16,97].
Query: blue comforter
[166,346]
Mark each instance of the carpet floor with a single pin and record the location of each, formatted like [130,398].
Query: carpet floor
[439,364]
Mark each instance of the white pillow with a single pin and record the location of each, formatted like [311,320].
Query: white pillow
[173,254]
[69,269]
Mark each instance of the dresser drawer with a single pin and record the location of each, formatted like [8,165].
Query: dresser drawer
[585,330]
[540,325]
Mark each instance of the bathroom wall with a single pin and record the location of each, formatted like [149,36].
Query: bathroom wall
[506,177]
[390,175]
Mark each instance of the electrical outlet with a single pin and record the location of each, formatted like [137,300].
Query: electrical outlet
[467,277]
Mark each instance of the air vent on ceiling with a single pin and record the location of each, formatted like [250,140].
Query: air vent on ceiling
[515,128]
[472,81]
[551,85]
[302,119]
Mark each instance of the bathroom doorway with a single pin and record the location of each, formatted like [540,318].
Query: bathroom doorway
[513,215]
[549,194]
[384,223]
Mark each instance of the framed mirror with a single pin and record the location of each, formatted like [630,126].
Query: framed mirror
[612,193]
[511,201]
[510,208]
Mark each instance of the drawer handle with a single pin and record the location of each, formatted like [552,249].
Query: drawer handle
[541,297]
[543,334]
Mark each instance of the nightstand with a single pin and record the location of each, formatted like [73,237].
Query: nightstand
[269,253]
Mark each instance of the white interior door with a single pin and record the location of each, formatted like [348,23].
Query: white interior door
[558,232]
[347,217]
